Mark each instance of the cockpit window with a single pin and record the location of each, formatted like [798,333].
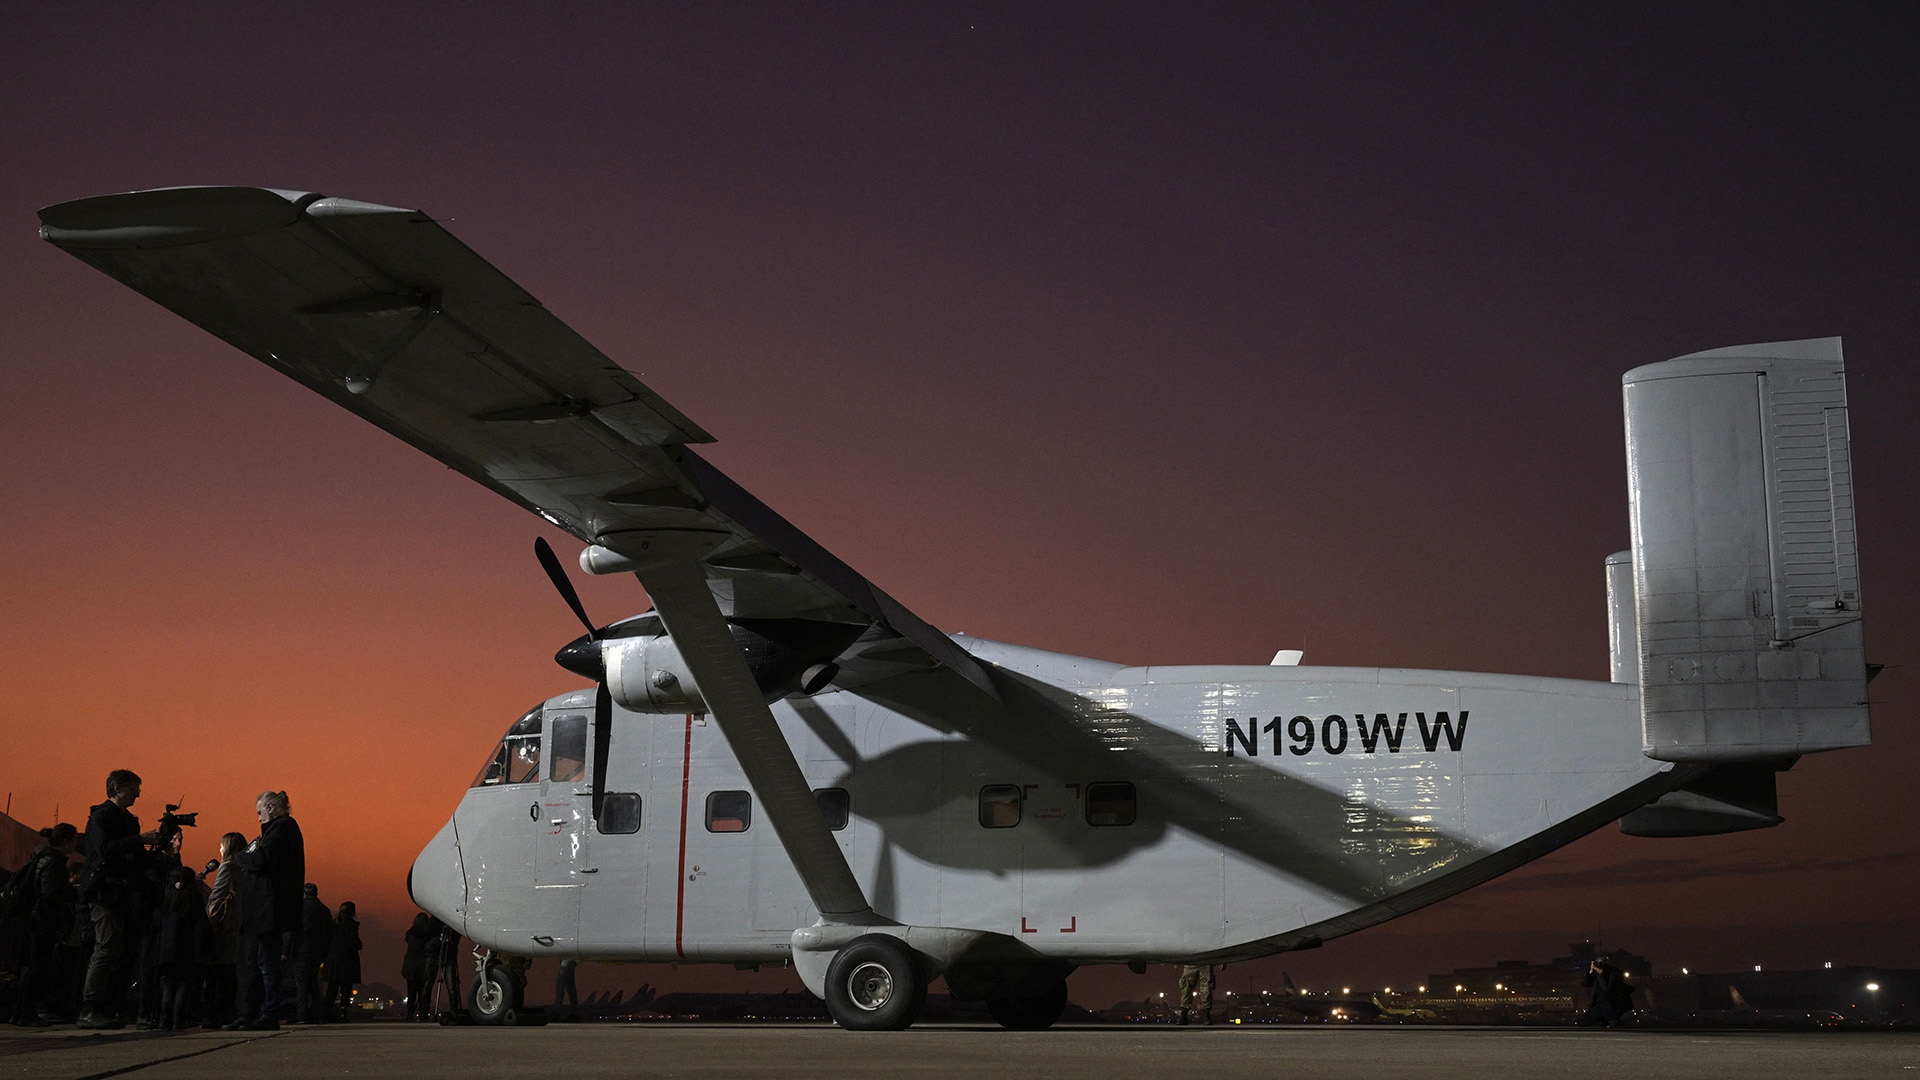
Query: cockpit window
[516,760]
[567,756]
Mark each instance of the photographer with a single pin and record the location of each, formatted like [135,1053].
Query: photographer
[272,871]
[110,885]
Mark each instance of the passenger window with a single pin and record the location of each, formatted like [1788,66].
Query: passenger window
[729,811]
[619,813]
[834,806]
[1110,804]
[569,749]
[999,806]
[516,760]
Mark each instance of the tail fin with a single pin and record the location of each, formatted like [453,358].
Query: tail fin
[1746,575]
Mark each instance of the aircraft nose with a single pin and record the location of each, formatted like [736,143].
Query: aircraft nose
[438,880]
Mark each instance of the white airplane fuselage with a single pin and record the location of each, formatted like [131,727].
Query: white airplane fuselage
[1274,807]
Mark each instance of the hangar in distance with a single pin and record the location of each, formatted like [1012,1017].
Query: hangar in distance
[780,762]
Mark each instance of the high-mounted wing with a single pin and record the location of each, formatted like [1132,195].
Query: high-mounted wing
[387,314]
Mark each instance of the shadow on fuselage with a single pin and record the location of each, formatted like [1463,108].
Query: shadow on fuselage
[1343,844]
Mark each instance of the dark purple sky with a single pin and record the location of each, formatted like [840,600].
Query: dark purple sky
[1154,334]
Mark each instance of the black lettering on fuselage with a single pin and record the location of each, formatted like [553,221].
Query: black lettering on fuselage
[1370,734]
[1334,733]
[1300,735]
[1442,724]
[1249,739]
[1328,728]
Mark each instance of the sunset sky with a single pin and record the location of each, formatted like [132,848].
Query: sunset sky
[1150,333]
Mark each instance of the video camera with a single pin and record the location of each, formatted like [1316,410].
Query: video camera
[171,823]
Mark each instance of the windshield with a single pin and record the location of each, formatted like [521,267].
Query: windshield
[516,759]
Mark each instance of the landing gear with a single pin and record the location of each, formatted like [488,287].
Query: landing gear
[1034,1013]
[493,996]
[874,984]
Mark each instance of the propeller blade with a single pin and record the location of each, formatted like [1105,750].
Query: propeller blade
[558,575]
[602,742]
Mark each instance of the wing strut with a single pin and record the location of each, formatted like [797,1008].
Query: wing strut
[678,588]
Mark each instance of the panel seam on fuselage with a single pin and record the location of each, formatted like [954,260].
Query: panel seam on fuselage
[680,901]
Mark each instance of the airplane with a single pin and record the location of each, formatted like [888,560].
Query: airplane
[779,763]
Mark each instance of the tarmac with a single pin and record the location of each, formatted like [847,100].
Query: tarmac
[1295,1052]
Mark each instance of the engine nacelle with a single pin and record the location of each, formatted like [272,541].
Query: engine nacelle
[647,674]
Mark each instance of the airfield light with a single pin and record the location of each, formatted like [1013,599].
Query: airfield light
[1874,987]
[1756,967]
[1828,964]
[1683,971]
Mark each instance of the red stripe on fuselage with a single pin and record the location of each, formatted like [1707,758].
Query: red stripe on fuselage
[686,782]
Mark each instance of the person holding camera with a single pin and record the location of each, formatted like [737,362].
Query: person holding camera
[110,885]
[273,870]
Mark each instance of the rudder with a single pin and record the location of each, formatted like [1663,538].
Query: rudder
[1746,573]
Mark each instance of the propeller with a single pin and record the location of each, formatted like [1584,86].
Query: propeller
[602,697]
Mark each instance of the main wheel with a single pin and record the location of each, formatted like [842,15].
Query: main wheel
[1042,1010]
[874,985]
[492,995]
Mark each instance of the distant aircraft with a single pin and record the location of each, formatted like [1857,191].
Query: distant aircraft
[781,763]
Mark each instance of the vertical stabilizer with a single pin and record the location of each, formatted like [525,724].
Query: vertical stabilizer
[1747,579]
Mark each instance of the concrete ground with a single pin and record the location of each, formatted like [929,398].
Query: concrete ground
[588,1051]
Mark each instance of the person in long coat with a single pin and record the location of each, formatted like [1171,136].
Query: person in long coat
[273,870]
[223,915]
[343,962]
[413,966]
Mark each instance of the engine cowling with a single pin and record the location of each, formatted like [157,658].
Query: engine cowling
[649,675]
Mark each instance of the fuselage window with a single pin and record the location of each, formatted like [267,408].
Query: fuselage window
[567,757]
[999,806]
[619,813]
[516,760]
[835,804]
[729,811]
[1111,804]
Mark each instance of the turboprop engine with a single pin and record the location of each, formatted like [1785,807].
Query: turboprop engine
[644,671]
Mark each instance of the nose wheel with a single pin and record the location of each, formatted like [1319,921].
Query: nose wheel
[874,984]
[493,996]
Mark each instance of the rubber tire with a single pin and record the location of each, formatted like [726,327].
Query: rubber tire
[492,996]
[1036,1013]
[899,1007]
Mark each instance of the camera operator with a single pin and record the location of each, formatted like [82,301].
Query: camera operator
[272,871]
[110,885]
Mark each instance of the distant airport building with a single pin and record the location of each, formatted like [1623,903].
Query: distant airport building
[1520,978]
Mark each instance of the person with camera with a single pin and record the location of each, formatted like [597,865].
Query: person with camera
[110,885]
[273,870]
